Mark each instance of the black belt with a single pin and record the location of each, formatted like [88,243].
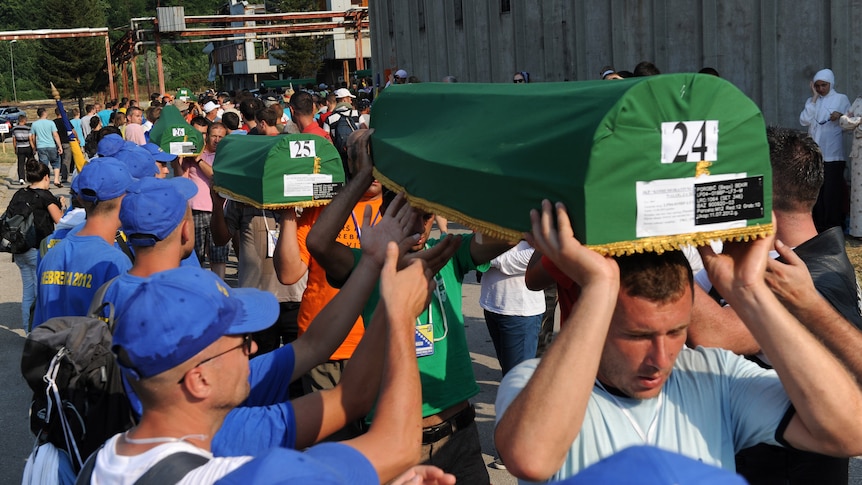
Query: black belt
[459,421]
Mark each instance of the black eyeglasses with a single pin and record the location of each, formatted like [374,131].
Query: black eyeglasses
[518,80]
[245,345]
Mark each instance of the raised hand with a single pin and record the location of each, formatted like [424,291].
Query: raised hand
[405,292]
[398,224]
[790,280]
[557,241]
[358,152]
[739,268]
[435,257]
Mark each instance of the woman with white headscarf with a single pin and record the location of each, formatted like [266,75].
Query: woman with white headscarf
[821,115]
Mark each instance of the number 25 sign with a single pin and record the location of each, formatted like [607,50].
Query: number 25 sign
[689,141]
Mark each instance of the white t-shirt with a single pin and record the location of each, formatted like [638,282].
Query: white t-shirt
[115,469]
[503,288]
[714,404]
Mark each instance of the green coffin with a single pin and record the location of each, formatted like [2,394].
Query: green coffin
[275,172]
[174,135]
[641,164]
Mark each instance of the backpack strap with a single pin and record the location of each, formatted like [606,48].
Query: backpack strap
[121,241]
[86,473]
[98,304]
[170,469]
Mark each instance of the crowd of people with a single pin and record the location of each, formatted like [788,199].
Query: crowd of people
[341,355]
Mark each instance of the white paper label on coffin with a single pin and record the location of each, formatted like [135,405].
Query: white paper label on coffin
[668,207]
[302,185]
[182,148]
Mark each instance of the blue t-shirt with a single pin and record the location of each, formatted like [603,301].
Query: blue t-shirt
[71,272]
[105,116]
[265,420]
[79,133]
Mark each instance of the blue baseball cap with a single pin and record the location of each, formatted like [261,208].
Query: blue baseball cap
[153,208]
[159,154]
[322,464]
[109,145]
[102,178]
[195,308]
[649,465]
[141,164]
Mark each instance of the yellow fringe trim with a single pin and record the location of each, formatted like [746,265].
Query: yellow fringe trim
[254,203]
[657,244]
[660,244]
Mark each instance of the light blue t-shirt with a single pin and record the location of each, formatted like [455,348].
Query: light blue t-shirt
[79,132]
[714,404]
[44,131]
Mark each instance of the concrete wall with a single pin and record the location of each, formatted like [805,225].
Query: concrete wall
[768,48]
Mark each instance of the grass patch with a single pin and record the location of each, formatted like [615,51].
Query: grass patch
[7,154]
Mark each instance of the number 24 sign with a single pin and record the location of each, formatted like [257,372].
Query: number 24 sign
[689,141]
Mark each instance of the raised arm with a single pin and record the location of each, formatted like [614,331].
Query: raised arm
[533,446]
[218,224]
[808,115]
[792,284]
[336,258]
[827,400]
[288,263]
[329,328]
[394,441]
[713,325]
[485,248]
[537,277]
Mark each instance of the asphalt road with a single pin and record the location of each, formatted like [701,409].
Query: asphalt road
[17,441]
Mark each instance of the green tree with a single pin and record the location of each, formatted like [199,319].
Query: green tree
[76,65]
[303,56]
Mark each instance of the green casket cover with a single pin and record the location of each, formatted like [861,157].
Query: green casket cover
[174,135]
[642,164]
[275,172]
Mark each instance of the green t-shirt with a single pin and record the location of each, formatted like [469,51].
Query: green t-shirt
[447,374]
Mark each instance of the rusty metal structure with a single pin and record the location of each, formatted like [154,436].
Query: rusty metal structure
[170,27]
[11,35]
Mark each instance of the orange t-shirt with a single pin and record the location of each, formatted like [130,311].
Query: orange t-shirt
[318,292]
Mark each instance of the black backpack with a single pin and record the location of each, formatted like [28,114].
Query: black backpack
[18,226]
[340,131]
[78,396]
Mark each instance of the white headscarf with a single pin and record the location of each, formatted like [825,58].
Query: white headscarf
[826,75]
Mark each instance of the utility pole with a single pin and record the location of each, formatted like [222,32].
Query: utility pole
[12,61]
